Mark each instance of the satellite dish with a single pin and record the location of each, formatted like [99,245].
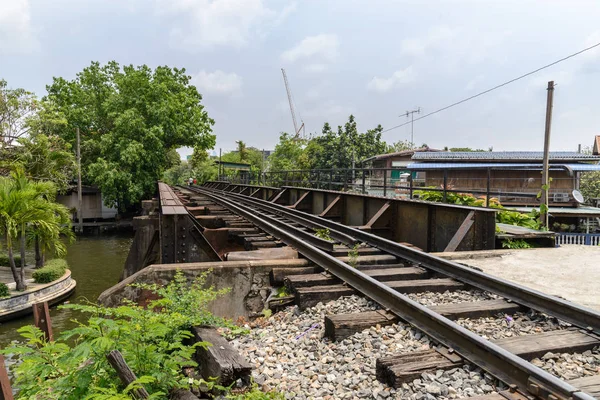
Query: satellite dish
[578,196]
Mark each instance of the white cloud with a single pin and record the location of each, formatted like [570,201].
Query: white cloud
[209,23]
[398,78]
[315,68]
[218,82]
[16,31]
[435,37]
[323,47]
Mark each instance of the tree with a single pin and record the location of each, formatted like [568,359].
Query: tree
[241,150]
[589,185]
[45,158]
[346,147]
[401,145]
[289,154]
[16,106]
[130,119]
[26,204]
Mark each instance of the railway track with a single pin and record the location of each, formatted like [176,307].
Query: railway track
[390,274]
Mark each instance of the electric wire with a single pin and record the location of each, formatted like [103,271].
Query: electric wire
[493,88]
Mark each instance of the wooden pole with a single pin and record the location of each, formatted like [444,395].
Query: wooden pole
[116,360]
[545,177]
[41,319]
[79,194]
[5,389]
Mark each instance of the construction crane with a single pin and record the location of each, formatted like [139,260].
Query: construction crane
[289,95]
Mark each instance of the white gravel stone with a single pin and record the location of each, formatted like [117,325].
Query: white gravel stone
[570,366]
[519,324]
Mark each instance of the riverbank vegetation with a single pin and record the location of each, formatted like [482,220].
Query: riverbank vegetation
[28,213]
[154,341]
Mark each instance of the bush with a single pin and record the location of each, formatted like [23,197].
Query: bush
[151,339]
[53,270]
[4,260]
[4,290]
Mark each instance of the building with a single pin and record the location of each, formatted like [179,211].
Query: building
[92,202]
[395,163]
[514,177]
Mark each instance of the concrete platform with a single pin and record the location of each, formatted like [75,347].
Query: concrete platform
[20,303]
[571,272]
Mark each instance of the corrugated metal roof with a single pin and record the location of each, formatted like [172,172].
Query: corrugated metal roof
[572,167]
[397,154]
[503,156]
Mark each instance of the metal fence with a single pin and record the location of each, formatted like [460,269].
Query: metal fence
[588,239]
[391,182]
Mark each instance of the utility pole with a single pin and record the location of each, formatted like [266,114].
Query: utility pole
[219,165]
[545,177]
[79,189]
[412,120]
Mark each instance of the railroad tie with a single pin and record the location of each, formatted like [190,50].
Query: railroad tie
[401,368]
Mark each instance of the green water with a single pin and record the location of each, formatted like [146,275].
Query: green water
[96,263]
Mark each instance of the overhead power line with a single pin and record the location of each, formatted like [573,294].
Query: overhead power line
[494,88]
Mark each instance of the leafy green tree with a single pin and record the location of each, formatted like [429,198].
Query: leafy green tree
[589,185]
[290,153]
[45,158]
[401,145]
[241,150]
[130,118]
[16,107]
[345,147]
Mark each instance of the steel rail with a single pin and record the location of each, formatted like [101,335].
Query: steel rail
[564,310]
[490,357]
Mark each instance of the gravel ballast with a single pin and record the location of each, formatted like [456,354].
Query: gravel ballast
[290,355]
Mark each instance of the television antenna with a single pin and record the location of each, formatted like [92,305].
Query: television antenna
[412,120]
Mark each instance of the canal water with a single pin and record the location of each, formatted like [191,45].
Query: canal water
[96,263]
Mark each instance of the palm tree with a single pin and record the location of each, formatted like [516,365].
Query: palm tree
[26,204]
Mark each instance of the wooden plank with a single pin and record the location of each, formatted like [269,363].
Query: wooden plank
[261,245]
[367,267]
[339,327]
[324,279]
[5,388]
[476,309]
[371,260]
[278,274]
[310,296]
[398,369]
[221,360]
[588,384]
[462,231]
[426,285]
[116,360]
[561,341]
[41,319]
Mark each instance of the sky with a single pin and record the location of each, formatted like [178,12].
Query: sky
[374,59]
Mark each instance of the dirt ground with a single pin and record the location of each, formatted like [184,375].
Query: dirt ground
[571,272]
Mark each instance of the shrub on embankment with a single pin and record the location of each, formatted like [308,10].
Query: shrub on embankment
[151,339]
[53,270]
[4,260]
[4,292]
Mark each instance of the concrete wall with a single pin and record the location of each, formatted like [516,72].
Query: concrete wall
[248,280]
[93,205]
